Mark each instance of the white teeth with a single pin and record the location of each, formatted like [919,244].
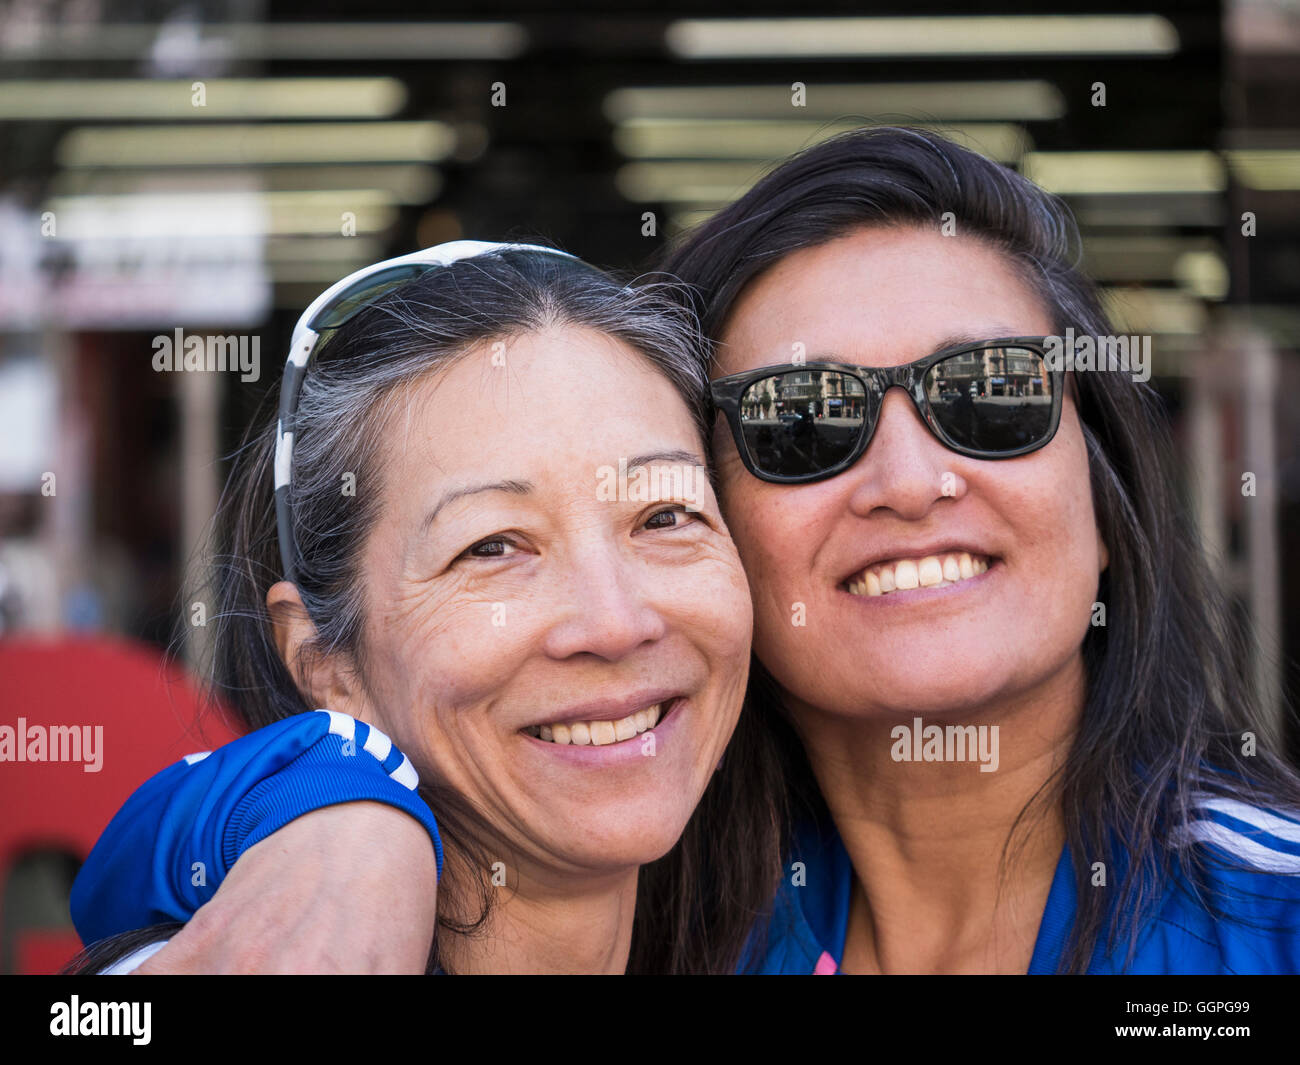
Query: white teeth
[904,574]
[930,572]
[598,733]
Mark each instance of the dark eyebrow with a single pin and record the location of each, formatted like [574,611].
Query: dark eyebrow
[514,487]
[962,339]
[954,340]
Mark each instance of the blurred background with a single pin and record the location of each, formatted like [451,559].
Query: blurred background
[171,170]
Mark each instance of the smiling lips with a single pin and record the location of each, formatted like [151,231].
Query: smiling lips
[904,574]
[598,733]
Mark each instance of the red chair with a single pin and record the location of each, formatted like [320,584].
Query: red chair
[149,714]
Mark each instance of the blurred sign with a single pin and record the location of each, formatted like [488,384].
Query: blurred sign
[137,261]
[28,421]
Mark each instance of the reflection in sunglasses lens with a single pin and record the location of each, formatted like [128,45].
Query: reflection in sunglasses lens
[994,399]
[802,422]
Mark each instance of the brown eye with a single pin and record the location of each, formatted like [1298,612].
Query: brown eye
[493,548]
[666,519]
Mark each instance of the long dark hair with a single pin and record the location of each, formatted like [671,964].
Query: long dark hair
[1167,698]
[347,402]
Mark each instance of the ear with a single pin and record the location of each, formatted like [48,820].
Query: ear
[325,681]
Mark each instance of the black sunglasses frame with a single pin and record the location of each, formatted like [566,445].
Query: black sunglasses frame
[727,392]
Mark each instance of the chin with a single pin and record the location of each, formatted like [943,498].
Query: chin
[645,835]
[605,853]
[917,695]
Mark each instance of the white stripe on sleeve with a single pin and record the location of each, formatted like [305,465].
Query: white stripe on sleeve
[1248,850]
[1252,815]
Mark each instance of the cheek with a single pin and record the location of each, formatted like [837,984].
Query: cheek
[759,549]
[418,640]
[430,668]
[724,611]
[1073,482]
[776,530]
[708,609]
[1057,531]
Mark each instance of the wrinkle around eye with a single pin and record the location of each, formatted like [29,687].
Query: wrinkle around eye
[429,565]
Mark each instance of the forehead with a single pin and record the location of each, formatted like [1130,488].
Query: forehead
[878,297]
[541,405]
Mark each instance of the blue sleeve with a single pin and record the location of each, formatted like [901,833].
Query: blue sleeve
[169,848]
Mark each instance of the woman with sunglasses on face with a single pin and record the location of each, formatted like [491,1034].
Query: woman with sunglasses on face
[1126,819]
[986,772]
[421,541]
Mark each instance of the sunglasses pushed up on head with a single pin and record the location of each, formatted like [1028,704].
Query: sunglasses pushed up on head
[338,304]
[802,422]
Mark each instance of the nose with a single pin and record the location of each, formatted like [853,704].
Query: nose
[905,469]
[605,609]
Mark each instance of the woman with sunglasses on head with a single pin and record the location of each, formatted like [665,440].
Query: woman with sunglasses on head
[990,658]
[421,543]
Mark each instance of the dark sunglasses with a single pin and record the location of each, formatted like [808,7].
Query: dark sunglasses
[798,423]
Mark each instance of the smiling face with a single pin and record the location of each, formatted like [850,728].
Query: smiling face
[516,598]
[955,634]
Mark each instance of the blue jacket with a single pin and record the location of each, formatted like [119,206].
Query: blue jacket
[168,849]
[1254,876]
